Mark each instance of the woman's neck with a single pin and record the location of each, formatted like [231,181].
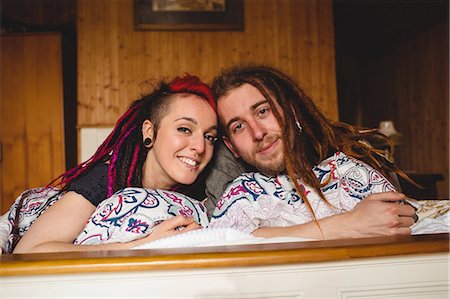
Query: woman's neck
[152,179]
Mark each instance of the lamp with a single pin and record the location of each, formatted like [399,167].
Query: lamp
[387,128]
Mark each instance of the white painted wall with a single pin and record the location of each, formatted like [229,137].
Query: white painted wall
[90,140]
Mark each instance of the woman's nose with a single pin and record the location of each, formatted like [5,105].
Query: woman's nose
[198,144]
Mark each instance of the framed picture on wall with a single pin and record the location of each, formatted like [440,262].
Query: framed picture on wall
[189,14]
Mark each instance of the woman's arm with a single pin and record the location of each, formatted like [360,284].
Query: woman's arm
[58,227]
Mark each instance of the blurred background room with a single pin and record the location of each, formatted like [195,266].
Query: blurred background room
[71,66]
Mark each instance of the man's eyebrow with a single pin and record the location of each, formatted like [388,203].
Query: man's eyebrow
[252,107]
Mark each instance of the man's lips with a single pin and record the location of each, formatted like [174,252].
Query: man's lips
[267,147]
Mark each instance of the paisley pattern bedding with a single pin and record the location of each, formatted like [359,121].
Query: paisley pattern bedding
[24,211]
[132,213]
[128,215]
[254,200]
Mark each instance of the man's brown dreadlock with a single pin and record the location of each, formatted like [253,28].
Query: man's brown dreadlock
[308,136]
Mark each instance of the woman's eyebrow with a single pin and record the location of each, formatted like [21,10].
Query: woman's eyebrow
[193,120]
[188,119]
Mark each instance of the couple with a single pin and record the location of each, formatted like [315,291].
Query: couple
[167,138]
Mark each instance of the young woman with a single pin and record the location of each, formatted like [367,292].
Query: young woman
[165,139]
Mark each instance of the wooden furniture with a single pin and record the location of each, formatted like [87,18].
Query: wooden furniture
[426,180]
[406,267]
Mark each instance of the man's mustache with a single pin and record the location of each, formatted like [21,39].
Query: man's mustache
[266,142]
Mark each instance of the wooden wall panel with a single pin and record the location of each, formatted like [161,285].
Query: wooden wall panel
[410,85]
[31,113]
[113,58]
[23,14]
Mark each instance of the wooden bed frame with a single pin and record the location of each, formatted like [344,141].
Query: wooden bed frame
[387,267]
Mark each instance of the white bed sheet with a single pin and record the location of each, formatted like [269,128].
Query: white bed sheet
[214,237]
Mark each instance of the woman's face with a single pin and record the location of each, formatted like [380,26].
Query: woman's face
[184,143]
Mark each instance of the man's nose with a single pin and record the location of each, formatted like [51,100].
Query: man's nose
[258,130]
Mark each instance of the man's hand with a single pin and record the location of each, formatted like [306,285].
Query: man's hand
[381,214]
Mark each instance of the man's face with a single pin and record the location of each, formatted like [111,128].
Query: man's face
[253,130]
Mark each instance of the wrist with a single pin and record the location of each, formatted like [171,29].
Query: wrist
[340,226]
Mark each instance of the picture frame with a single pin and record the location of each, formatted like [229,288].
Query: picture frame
[212,15]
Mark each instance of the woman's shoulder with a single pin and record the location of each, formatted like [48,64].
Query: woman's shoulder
[93,184]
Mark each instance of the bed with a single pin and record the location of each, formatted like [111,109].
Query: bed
[386,267]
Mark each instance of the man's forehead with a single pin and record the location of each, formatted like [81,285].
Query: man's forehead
[239,100]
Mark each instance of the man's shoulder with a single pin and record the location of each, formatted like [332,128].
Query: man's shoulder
[336,161]
[254,176]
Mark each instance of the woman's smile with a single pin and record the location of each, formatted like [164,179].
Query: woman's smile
[190,162]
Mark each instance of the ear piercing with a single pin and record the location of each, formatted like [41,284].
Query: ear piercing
[300,129]
[298,125]
[147,141]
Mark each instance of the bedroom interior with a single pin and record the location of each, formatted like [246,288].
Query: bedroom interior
[391,66]
[363,62]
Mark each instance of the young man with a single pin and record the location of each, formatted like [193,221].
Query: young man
[316,179]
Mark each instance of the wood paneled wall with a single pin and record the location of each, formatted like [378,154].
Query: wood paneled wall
[410,85]
[31,113]
[113,58]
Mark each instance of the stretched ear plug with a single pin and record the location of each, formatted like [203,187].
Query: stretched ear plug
[147,141]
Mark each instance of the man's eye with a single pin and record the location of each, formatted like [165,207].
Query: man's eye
[263,111]
[211,138]
[238,127]
[184,130]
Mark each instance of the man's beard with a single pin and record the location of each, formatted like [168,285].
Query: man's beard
[272,166]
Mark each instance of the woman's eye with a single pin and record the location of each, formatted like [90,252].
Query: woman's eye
[184,130]
[211,138]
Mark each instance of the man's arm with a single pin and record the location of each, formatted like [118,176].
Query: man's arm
[381,214]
